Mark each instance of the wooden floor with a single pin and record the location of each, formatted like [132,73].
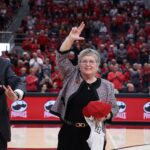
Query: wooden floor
[44,137]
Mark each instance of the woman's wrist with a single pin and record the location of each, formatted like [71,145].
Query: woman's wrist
[67,44]
[70,38]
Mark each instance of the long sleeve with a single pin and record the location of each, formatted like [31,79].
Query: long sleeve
[64,64]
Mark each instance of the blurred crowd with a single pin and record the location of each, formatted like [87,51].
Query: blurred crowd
[118,29]
[8,9]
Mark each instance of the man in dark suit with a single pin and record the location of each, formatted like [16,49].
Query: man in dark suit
[12,87]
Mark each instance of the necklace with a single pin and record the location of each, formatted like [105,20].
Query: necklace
[88,86]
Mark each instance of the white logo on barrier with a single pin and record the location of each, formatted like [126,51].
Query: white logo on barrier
[19,106]
[146,107]
[122,106]
[48,105]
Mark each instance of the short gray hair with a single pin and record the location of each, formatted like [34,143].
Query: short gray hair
[89,52]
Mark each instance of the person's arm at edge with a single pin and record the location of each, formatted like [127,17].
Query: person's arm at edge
[13,95]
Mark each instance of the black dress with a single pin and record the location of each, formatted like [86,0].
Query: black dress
[71,137]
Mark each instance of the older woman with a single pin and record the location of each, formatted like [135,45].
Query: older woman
[80,87]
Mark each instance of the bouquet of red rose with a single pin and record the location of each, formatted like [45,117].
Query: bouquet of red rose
[97,109]
[93,111]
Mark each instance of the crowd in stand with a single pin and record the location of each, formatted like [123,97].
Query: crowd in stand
[8,9]
[119,30]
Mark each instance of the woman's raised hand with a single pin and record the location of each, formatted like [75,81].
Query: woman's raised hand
[73,36]
[76,31]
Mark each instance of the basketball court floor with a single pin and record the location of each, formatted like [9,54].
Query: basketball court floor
[44,137]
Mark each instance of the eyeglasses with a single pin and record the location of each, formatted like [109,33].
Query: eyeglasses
[90,62]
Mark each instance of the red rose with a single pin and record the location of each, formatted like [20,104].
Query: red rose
[97,109]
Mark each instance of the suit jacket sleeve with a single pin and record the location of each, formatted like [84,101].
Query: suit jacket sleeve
[14,81]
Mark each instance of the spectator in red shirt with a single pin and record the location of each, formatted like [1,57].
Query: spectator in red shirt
[111,53]
[34,46]
[42,40]
[54,88]
[32,81]
[57,77]
[117,78]
[26,44]
[52,57]
[133,53]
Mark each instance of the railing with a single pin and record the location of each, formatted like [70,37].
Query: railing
[6,37]
[6,41]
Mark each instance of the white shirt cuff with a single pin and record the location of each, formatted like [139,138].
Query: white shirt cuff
[20,93]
